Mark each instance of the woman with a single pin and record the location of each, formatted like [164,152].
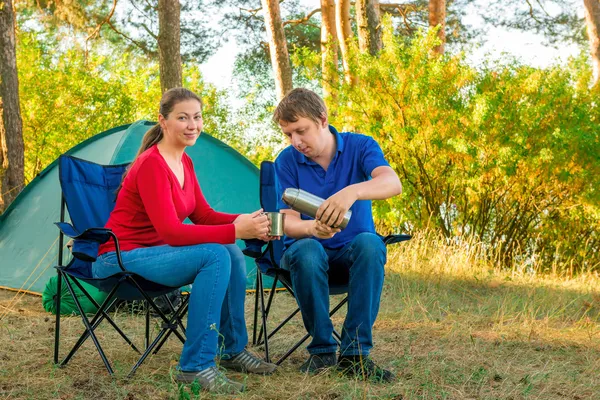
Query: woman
[158,192]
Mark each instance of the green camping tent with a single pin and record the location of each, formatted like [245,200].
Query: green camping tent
[28,237]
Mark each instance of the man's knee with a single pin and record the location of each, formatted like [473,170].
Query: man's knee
[306,256]
[369,246]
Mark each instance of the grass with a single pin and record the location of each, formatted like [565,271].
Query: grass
[451,326]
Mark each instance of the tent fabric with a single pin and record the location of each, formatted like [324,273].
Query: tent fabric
[67,304]
[28,236]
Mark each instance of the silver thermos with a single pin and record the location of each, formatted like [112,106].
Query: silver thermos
[308,204]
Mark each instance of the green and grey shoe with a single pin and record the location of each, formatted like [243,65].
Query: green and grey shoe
[211,380]
[249,363]
[363,368]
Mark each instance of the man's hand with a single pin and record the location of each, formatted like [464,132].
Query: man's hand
[333,209]
[267,238]
[322,231]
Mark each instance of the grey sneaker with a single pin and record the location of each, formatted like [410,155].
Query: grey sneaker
[211,380]
[249,363]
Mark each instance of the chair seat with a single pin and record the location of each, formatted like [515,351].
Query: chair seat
[126,290]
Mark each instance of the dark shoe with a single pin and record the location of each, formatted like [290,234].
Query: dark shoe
[362,367]
[211,380]
[319,362]
[249,363]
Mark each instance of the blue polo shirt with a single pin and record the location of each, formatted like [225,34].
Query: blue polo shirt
[355,159]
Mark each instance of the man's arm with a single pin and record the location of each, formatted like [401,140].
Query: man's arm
[297,228]
[383,185]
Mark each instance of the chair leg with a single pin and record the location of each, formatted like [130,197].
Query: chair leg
[155,308]
[282,324]
[271,295]
[162,336]
[301,341]
[147,336]
[57,323]
[89,329]
[293,349]
[174,313]
[146,353]
[96,321]
[264,318]
[255,308]
[180,314]
[102,310]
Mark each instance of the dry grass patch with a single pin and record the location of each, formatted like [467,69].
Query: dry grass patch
[450,326]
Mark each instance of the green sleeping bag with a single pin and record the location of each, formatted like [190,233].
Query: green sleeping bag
[67,304]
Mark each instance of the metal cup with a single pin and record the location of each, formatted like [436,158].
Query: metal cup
[277,220]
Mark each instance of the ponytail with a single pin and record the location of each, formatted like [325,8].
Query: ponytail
[169,99]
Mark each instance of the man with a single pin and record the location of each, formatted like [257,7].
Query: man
[348,170]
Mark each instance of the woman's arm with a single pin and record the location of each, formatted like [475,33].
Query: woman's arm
[155,188]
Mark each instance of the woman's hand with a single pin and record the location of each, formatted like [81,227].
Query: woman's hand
[250,226]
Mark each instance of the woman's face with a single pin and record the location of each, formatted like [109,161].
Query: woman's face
[183,125]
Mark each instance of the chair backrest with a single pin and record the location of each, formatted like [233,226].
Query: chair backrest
[88,193]
[88,190]
[268,202]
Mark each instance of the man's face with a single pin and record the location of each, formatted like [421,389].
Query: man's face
[306,135]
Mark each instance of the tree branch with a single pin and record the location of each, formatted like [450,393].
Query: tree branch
[149,31]
[106,20]
[142,46]
[256,10]
[531,12]
[302,20]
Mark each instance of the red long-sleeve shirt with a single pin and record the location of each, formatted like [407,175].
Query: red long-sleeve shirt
[152,206]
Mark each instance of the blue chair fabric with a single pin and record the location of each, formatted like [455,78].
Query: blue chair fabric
[88,196]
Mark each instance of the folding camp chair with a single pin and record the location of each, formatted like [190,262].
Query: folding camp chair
[268,263]
[88,194]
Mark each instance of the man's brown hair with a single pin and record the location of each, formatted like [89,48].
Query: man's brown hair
[300,103]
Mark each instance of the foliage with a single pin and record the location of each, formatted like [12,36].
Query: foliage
[67,98]
[132,24]
[507,154]
[557,20]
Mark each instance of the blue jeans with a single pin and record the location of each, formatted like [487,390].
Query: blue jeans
[360,264]
[216,306]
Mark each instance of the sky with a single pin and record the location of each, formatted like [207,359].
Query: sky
[527,47]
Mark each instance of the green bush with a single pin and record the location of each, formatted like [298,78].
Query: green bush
[507,153]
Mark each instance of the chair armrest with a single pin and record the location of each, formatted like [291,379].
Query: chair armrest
[254,248]
[99,235]
[391,239]
[86,243]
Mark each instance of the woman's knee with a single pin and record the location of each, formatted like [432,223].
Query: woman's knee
[238,262]
[215,257]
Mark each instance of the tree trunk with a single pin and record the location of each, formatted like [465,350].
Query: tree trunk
[437,16]
[12,160]
[344,32]
[592,20]
[369,27]
[169,44]
[280,59]
[329,47]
